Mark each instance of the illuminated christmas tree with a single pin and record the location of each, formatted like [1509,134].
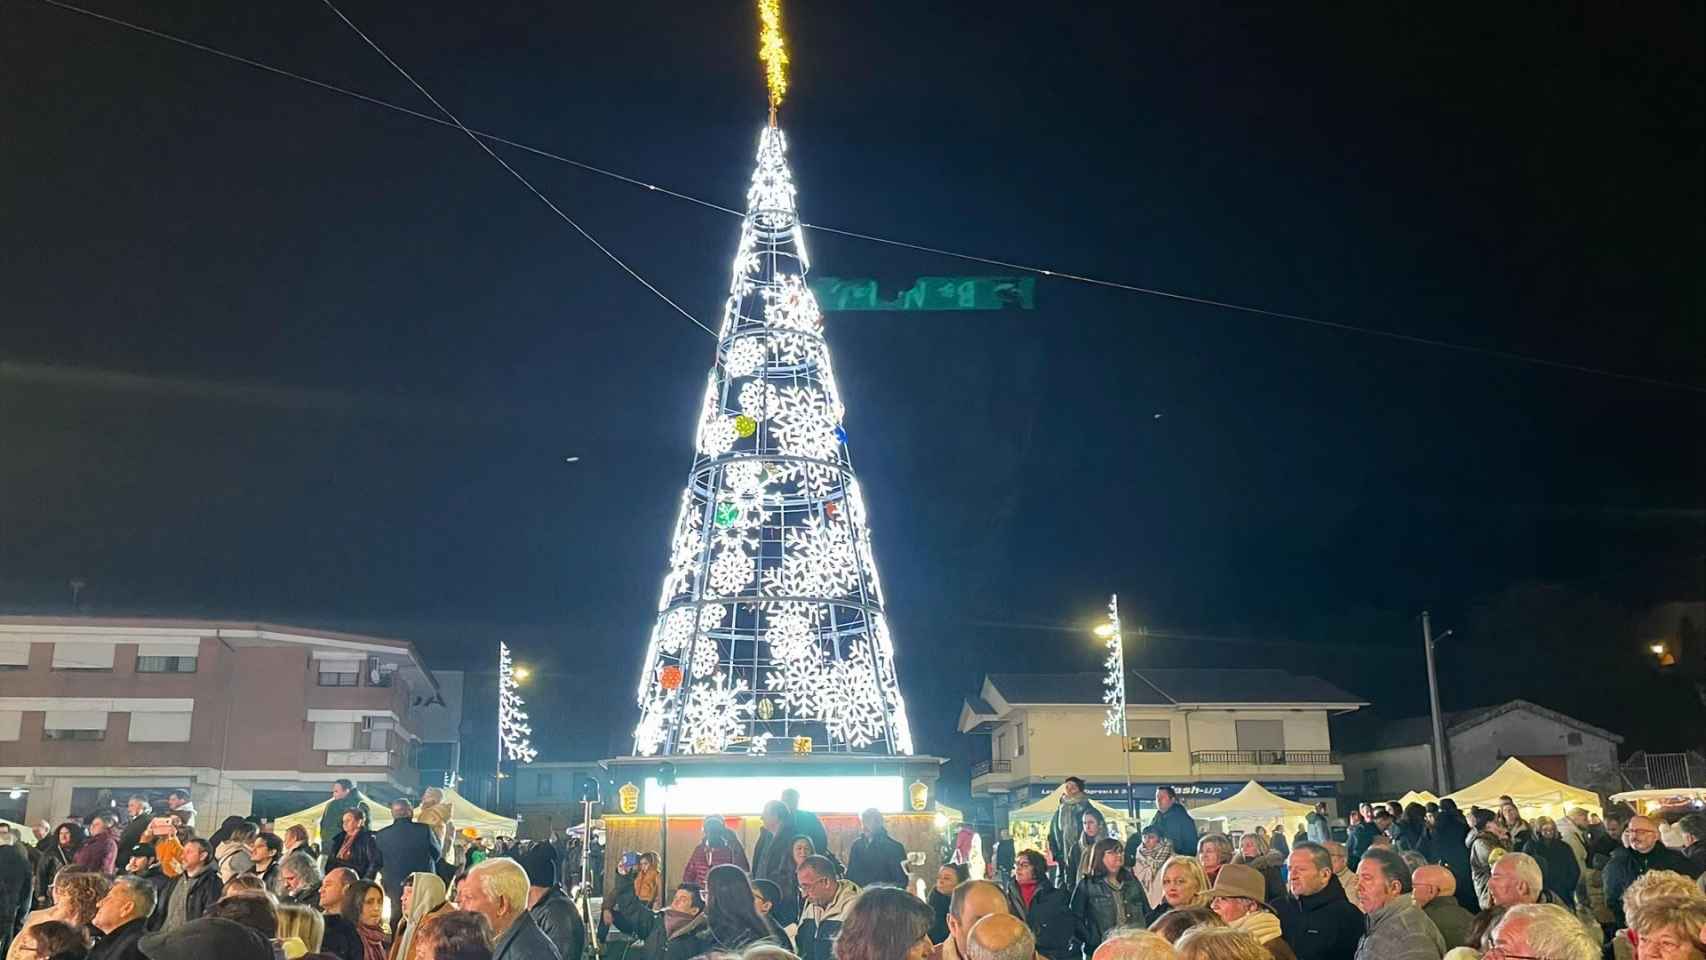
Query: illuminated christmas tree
[770,630]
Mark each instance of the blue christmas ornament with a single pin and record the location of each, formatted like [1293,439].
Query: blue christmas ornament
[840,433]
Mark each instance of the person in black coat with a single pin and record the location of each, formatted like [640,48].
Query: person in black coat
[1642,854]
[806,823]
[773,859]
[122,918]
[340,939]
[1045,908]
[1557,861]
[354,847]
[1109,897]
[405,847]
[1447,845]
[136,828]
[549,905]
[17,883]
[1316,919]
[876,857]
[198,887]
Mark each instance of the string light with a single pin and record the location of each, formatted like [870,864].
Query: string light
[1113,693]
[513,729]
[773,52]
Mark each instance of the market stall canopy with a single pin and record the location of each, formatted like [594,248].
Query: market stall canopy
[463,814]
[1532,791]
[1043,810]
[1422,797]
[1251,806]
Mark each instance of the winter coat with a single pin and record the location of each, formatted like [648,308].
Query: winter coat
[806,824]
[1146,865]
[1178,828]
[1399,931]
[820,927]
[1066,827]
[1557,865]
[1268,865]
[1049,916]
[341,939]
[1451,920]
[53,858]
[1627,866]
[233,859]
[121,943]
[773,860]
[1484,851]
[1696,854]
[1316,827]
[1357,843]
[938,902]
[560,923]
[1265,928]
[524,941]
[17,884]
[1408,835]
[133,833]
[877,859]
[1448,846]
[364,857]
[1324,925]
[332,820]
[1098,906]
[204,892]
[707,855]
[405,847]
[98,853]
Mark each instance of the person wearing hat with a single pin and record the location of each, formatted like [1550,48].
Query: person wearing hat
[206,938]
[1238,897]
[548,904]
[140,863]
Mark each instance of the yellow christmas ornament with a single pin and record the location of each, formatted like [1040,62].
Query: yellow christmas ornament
[745,426]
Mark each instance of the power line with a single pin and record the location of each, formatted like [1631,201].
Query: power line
[480,137]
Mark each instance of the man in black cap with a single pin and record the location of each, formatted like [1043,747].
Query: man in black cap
[548,904]
[204,939]
[142,865]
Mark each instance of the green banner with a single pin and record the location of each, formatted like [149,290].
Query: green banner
[929,293]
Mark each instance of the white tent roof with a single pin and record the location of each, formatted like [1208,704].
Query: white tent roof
[1532,791]
[1042,811]
[1422,797]
[463,814]
[1253,803]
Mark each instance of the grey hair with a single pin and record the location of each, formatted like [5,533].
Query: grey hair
[1023,947]
[301,864]
[502,879]
[1527,870]
[1552,931]
[142,894]
[1135,943]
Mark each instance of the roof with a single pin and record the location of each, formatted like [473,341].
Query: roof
[1415,731]
[1153,688]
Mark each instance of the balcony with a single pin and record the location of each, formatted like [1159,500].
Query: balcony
[984,768]
[1263,758]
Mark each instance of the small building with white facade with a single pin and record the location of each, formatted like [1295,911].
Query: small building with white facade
[1203,732]
[1390,758]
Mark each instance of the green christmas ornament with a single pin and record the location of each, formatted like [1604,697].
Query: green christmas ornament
[726,514]
[745,426]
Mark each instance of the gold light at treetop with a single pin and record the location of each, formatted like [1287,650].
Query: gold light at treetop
[772,51]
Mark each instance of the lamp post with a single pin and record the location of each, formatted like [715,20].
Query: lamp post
[513,729]
[1113,694]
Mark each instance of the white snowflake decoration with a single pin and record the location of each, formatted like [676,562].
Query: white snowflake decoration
[805,422]
[704,655]
[759,746]
[797,683]
[513,729]
[818,560]
[756,399]
[715,715]
[677,629]
[649,734]
[745,357]
[791,306]
[731,571]
[851,702]
[790,635]
[711,616]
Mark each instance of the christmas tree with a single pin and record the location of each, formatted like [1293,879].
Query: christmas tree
[770,631]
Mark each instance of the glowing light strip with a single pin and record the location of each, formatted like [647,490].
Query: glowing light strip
[772,51]
[1114,724]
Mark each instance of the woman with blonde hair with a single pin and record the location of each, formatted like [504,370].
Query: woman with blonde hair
[301,930]
[1183,884]
[1218,943]
[423,893]
[1670,928]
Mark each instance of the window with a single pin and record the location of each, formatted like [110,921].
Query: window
[334,673]
[1371,782]
[14,654]
[1264,738]
[1019,728]
[165,664]
[83,656]
[159,727]
[73,734]
[1573,739]
[547,786]
[334,736]
[380,674]
[1001,745]
[11,722]
[1149,736]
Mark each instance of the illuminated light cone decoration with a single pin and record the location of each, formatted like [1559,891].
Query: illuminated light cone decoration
[770,623]
[513,729]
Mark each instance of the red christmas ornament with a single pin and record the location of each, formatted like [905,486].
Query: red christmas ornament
[670,677]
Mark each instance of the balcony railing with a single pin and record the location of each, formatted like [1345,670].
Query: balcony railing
[983,767]
[1264,758]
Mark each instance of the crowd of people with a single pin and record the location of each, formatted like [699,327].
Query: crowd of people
[1405,883]
[151,887]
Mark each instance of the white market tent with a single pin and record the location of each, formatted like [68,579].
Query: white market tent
[1422,797]
[1252,806]
[1030,822]
[463,814]
[1533,792]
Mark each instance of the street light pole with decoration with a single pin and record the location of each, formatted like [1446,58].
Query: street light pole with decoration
[1113,693]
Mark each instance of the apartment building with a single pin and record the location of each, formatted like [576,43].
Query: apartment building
[95,707]
[1203,732]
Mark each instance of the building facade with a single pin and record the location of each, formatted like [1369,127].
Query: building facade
[1391,758]
[1203,732]
[94,709]
[548,795]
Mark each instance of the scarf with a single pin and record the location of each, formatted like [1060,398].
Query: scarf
[345,851]
[1086,863]
[427,896]
[372,942]
[1261,924]
[1027,891]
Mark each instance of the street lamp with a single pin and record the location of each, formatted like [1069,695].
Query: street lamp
[1113,694]
[522,673]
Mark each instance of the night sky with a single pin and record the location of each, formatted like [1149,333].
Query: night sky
[271,353]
